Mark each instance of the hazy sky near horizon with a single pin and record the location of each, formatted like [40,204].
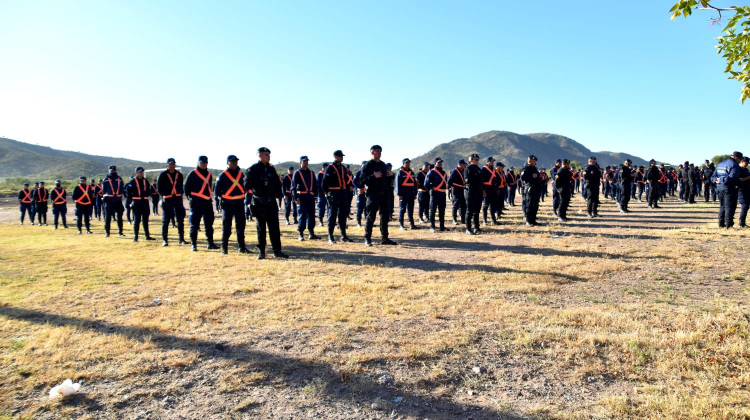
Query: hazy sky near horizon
[155,79]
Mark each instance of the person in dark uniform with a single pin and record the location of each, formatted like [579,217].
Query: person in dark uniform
[155,198]
[423,196]
[436,182]
[533,192]
[349,191]
[626,185]
[744,191]
[727,180]
[198,192]
[564,185]
[262,179]
[24,202]
[112,193]
[98,200]
[83,199]
[230,186]
[555,195]
[512,180]
[473,194]
[304,192]
[139,191]
[322,202]
[490,185]
[33,203]
[592,176]
[289,206]
[248,209]
[653,175]
[361,198]
[334,187]
[406,190]
[59,204]
[458,186]
[709,188]
[693,179]
[170,185]
[40,198]
[128,202]
[502,190]
[375,176]
[389,192]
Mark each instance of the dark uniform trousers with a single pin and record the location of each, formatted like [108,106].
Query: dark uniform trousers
[232,209]
[377,203]
[406,207]
[564,196]
[112,210]
[744,200]
[555,200]
[41,211]
[322,204]
[511,195]
[437,205]
[98,207]
[459,206]
[201,209]
[83,216]
[592,199]
[531,198]
[26,207]
[361,204]
[625,195]
[140,214]
[306,210]
[289,207]
[337,210]
[490,202]
[727,205]
[266,213]
[173,209]
[653,193]
[155,204]
[473,207]
[423,203]
[60,211]
[709,190]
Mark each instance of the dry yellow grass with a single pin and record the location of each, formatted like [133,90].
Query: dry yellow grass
[619,317]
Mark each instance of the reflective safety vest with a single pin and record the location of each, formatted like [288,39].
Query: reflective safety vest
[642,181]
[26,199]
[235,184]
[663,178]
[41,194]
[425,176]
[115,192]
[290,182]
[512,179]
[340,177]
[409,181]
[442,187]
[155,189]
[138,186]
[307,188]
[502,180]
[463,180]
[492,177]
[174,186]
[85,198]
[59,199]
[206,184]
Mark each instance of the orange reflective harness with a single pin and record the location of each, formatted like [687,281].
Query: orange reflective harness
[302,177]
[442,187]
[115,192]
[492,177]
[84,194]
[27,197]
[235,184]
[339,177]
[409,181]
[174,186]
[463,180]
[59,199]
[206,184]
[138,186]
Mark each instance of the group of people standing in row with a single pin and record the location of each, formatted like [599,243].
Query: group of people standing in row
[473,190]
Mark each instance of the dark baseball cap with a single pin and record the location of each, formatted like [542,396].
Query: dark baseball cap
[232,157]
[737,155]
[264,150]
[339,153]
[202,159]
[139,169]
[558,161]
[425,163]
[375,146]
[112,167]
[500,165]
[301,158]
[325,164]
[404,160]
[593,158]
[291,168]
[171,160]
[461,162]
[83,178]
[746,159]
[437,160]
[566,161]
[490,159]
[474,156]
[41,182]
[532,157]
[25,184]
[389,165]
[57,181]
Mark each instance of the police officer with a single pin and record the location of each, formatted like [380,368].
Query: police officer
[289,206]
[592,176]
[693,179]
[155,198]
[502,189]
[98,200]
[709,188]
[59,204]
[389,191]
[112,193]
[40,197]
[305,191]
[24,202]
[512,179]
[744,191]
[533,192]
[458,186]
[423,196]
[170,185]
[727,180]
[198,191]
[84,201]
[473,194]
[262,179]
[128,201]
[33,203]
[375,176]
[653,175]
[555,195]
[230,187]
[626,185]
[322,202]
[139,191]
[437,183]
[564,187]
[361,198]
[335,189]
[406,190]
[489,190]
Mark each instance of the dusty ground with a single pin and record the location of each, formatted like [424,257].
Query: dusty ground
[573,320]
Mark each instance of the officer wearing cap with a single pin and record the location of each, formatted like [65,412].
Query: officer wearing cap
[128,201]
[727,180]
[322,202]
[155,198]
[198,191]
[437,183]
[375,176]
[24,201]
[83,199]
[286,185]
[304,192]
[59,204]
[171,188]
[230,187]
[693,180]
[335,192]
[33,203]
[98,198]
[640,180]
[653,175]
[709,188]
[744,190]
[112,188]
[360,190]
[263,180]
[502,189]
[626,185]
[139,191]
[564,186]
[423,196]
[592,176]
[555,194]
[389,191]
[533,191]
[406,190]
[490,185]
[457,185]
[40,198]
[512,180]
[473,194]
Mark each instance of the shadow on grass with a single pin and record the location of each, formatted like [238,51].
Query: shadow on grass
[292,370]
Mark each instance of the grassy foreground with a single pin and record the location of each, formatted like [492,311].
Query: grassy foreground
[617,317]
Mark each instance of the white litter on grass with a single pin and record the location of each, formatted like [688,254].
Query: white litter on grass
[65,389]
[160,300]
[558,236]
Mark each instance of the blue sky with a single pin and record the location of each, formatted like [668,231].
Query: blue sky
[154,79]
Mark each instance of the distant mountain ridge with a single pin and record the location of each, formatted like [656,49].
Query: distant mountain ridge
[513,150]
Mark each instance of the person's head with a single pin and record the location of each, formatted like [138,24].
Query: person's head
[82,180]
[264,155]
[232,162]
[566,163]
[290,170]
[474,159]
[707,163]
[628,162]
[500,167]
[531,160]
[652,163]
[490,162]
[425,166]
[338,156]
[171,164]
[112,169]
[439,163]
[558,163]
[203,162]
[303,162]
[25,185]
[363,164]
[461,165]
[737,157]
[57,183]
[406,163]
[592,160]
[745,160]
[138,173]
[41,184]
[376,151]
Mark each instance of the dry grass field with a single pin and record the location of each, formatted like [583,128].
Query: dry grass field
[642,315]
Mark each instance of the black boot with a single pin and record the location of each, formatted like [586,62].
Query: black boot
[331,240]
